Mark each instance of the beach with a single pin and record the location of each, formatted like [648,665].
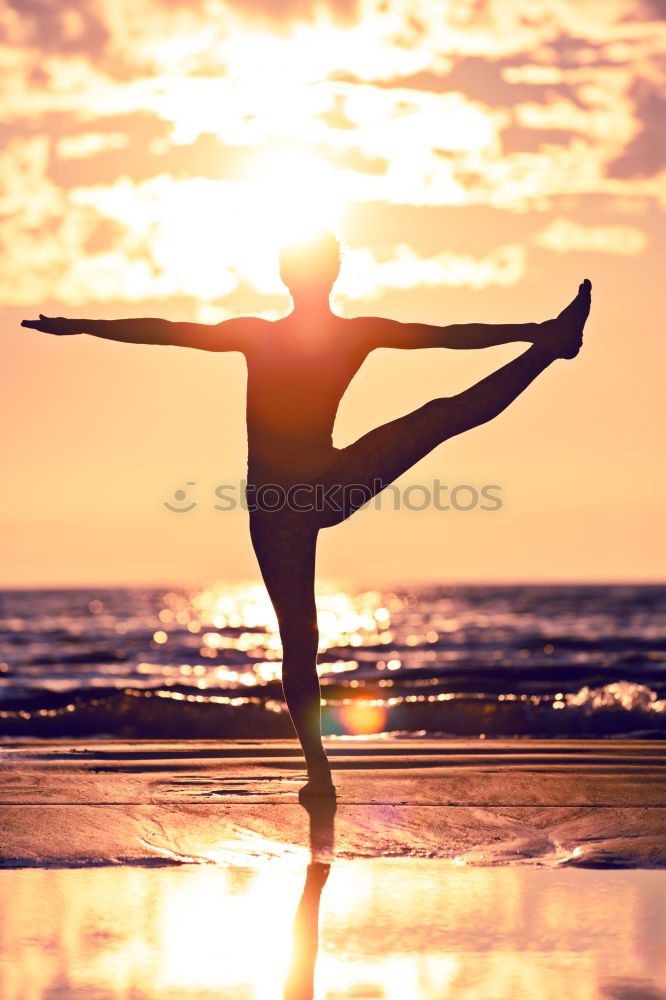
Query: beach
[453,868]
[476,802]
[500,826]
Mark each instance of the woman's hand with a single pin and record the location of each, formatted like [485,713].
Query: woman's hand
[57,325]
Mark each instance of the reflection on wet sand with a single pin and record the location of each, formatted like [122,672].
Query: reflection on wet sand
[299,983]
[389,928]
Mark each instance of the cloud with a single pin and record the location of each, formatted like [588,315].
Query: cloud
[166,237]
[26,192]
[53,26]
[295,10]
[565,235]
[131,128]
[645,155]
[367,276]
[87,144]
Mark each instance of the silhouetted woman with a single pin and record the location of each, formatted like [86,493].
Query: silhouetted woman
[298,483]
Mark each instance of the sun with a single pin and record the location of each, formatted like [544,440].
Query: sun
[293,195]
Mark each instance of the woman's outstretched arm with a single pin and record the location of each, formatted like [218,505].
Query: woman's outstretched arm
[459,336]
[230,335]
[390,333]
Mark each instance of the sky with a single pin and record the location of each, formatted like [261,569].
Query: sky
[479,158]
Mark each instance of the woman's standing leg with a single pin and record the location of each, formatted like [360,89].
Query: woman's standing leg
[285,545]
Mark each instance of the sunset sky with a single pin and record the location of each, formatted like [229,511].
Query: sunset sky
[478,158]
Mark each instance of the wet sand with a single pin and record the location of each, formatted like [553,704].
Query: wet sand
[383,929]
[478,802]
[451,869]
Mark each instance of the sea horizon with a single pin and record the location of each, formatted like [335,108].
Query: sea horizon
[434,659]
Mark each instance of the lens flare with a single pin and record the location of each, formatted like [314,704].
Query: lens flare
[363,718]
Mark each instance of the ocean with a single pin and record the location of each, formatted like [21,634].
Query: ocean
[568,661]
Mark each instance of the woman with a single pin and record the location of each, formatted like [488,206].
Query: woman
[298,483]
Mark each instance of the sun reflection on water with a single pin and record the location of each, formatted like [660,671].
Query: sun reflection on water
[241,616]
[234,633]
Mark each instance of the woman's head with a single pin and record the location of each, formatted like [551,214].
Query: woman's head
[311,267]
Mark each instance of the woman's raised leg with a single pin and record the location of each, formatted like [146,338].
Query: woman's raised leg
[285,545]
[365,467]
[378,458]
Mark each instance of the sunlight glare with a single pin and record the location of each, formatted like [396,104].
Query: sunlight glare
[344,618]
[295,194]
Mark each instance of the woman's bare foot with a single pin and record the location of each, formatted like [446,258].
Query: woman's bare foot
[563,337]
[316,790]
[319,783]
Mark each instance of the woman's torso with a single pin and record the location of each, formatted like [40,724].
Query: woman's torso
[298,372]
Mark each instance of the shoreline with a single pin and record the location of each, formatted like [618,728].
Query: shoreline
[451,868]
[548,803]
